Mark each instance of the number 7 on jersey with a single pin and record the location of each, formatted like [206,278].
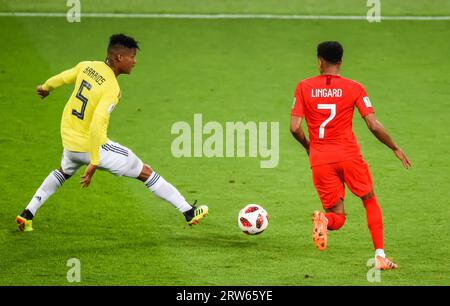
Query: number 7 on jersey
[332,108]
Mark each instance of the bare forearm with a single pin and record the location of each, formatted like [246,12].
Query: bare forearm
[382,135]
[301,137]
[297,132]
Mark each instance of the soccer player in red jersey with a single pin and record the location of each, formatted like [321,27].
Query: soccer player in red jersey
[327,103]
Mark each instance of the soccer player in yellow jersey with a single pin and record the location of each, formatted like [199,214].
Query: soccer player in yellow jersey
[84,127]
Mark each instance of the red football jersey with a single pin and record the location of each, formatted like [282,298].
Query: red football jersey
[327,103]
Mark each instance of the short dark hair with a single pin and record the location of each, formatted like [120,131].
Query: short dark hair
[123,41]
[330,51]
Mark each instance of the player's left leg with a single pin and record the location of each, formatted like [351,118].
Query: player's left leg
[166,191]
[120,160]
[359,180]
[375,223]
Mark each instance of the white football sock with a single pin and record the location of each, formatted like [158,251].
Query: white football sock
[163,189]
[380,252]
[51,183]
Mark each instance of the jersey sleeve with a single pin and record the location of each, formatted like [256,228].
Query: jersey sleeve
[298,107]
[66,77]
[99,125]
[363,103]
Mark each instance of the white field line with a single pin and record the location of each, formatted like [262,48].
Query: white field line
[221,16]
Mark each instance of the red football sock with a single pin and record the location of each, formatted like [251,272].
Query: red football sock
[335,221]
[374,221]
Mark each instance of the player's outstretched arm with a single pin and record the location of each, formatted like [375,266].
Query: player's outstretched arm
[66,77]
[297,132]
[382,135]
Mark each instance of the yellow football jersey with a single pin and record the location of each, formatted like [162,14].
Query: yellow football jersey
[85,118]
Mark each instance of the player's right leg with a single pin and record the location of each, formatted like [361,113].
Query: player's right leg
[48,187]
[331,191]
[333,219]
[56,178]
[166,191]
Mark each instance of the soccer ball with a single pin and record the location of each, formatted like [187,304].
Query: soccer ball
[253,219]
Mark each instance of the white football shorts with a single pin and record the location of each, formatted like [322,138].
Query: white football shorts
[114,158]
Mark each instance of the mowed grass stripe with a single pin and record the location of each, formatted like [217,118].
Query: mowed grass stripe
[224,16]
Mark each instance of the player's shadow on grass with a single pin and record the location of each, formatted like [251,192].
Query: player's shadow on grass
[217,240]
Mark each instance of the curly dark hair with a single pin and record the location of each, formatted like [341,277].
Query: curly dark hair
[123,41]
[330,51]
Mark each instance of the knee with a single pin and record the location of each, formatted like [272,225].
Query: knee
[147,168]
[145,173]
[367,196]
[337,207]
[66,176]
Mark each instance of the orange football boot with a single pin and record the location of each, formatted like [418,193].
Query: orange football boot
[382,263]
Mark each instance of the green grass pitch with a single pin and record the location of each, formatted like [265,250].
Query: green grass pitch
[227,70]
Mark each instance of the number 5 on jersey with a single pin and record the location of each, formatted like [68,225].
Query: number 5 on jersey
[332,108]
[83,99]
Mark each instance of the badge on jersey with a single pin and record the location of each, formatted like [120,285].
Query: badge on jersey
[111,108]
[367,102]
